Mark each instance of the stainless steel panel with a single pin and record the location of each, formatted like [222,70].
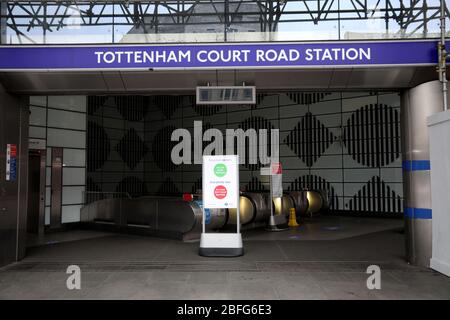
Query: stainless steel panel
[290,79]
[56,188]
[42,192]
[34,192]
[247,211]
[417,104]
[154,214]
[113,81]
[108,210]
[300,199]
[254,208]
[65,82]
[419,195]
[418,233]
[175,215]
[159,81]
[339,78]
[390,77]
[315,201]
[142,212]
[56,82]
[283,205]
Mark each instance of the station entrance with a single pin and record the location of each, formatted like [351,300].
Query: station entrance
[108,143]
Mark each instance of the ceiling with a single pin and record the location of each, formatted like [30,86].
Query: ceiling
[152,82]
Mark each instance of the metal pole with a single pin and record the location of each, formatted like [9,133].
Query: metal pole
[238,209]
[443,57]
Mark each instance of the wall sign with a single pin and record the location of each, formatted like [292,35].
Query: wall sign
[275,168]
[11,162]
[220,181]
[219,55]
[36,144]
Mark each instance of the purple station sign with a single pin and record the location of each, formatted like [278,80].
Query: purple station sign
[220,55]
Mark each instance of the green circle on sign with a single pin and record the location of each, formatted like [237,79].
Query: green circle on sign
[220,169]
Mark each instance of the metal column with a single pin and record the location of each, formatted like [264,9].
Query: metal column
[56,190]
[417,104]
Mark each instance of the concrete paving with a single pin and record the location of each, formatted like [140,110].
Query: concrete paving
[117,266]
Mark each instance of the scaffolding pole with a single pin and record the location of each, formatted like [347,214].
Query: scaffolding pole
[443,57]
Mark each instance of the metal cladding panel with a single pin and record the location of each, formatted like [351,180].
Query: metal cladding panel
[418,103]
[54,82]
[141,212]
[340,78]
[109,210]
[293,79]
[175,215]
[150,80]
[113,81]
[247,212]
[420,192]
[419,246]
[56,188]
[254,207]
[65,82]
[380,77]
[283,205]
[300,200]
[156,214]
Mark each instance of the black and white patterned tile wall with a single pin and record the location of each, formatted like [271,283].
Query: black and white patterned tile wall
[116,146]
[345,142]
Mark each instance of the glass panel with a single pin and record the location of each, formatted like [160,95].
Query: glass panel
[66,119]
[47,216]
[74,103]
[37,132]
[70,214]
[74,157]
[38,116]
[48,194]
[72,195]
[73,176]
[38,101]
[66,138]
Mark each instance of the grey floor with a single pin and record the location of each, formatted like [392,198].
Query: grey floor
[115,266]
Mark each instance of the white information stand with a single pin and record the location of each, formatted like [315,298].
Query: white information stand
[221,190]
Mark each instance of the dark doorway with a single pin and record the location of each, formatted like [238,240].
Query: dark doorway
[36,191]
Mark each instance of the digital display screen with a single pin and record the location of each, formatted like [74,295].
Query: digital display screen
[226,95]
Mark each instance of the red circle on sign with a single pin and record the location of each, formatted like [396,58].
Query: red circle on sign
[220,192]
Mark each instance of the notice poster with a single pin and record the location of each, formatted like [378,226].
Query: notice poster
[220,181]
[11,162]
